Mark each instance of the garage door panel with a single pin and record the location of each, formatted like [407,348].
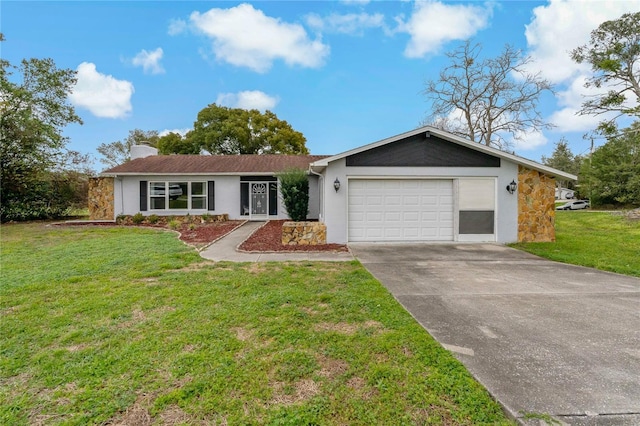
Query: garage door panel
[393,200]
[357,216]
[393,217]
[401,210]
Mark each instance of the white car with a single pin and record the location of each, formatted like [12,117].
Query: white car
[574,205]
[175,191]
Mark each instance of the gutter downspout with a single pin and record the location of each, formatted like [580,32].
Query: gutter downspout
[121,196]
[320,192]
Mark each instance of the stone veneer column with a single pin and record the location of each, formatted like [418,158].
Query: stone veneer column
[101,201]
[304,233]
[536,206]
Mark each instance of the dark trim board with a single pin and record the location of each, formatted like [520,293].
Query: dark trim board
[143,195]
[422,151]
[211,195]
[258,179]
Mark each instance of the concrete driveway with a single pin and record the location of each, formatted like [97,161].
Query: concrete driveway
[542,337]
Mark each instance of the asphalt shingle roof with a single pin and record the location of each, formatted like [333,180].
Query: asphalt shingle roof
[185,164]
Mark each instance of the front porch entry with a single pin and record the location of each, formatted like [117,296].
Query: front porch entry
[259,201]
[259,197]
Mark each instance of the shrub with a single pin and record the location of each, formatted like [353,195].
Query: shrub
[192,227]
[137,218]
[173,224]
[121,219]
[46,195]
[153,219]
[206,217]
[294,188]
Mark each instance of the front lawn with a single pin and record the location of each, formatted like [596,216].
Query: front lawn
[130,326]
[596,239]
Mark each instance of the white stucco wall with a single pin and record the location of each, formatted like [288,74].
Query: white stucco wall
[227,196]
[335,214]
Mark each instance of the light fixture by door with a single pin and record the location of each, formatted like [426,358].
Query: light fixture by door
[336,184]
[511,188]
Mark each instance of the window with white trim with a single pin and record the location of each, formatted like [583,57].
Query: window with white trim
[177,195]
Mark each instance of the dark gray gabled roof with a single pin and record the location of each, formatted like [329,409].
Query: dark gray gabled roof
[324,162]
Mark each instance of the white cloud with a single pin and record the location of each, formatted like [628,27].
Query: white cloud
[566,119]
[176,26]
[101,94]
[248,99]
[149,61]
[562,25]
[434,23]
[529,141]
[351,23]
[181,132]
[246,37]
[551,44]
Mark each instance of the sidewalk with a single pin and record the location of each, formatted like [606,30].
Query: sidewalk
[225,250]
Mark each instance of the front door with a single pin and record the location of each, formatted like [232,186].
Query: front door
[259,198]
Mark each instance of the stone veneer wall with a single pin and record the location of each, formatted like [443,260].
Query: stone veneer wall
[304,233]
[536,206]
[101,202]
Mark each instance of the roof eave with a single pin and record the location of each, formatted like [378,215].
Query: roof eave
[187,174]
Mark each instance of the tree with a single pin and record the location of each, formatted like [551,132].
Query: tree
[34,108]
[119,152]
[486,100]
[294,188]
[563,159]
[612,175]
[174,143]
[222,130]
[614,55]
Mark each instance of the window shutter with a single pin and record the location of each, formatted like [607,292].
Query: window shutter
[143,195]
[211,195]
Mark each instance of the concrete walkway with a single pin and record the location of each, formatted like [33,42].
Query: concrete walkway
[225,249]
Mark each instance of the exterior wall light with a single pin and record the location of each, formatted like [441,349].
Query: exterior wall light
[511,188]
[336,184]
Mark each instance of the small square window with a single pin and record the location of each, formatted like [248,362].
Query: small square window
[198,188]
[157,203]
[157,189]
[199,203]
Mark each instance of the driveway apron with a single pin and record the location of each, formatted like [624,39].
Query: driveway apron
[544,338]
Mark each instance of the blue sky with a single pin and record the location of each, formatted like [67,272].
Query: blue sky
[344,73]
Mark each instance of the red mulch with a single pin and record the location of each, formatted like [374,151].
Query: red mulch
[205,233]
[200,236]
[269,238]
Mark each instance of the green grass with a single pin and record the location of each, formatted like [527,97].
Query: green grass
[596,239]
[128,325]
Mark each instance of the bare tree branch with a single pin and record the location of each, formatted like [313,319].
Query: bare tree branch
[486,100]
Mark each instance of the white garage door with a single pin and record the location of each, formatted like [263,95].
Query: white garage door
[400,210]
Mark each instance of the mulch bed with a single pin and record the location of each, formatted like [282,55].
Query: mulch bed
[269,238]
[206,233]
[201,235]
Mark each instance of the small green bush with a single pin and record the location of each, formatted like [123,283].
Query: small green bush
[173,224]
[294,188]
[206,217]
[153,219]
[121,219]
[137,218]
[192,227]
